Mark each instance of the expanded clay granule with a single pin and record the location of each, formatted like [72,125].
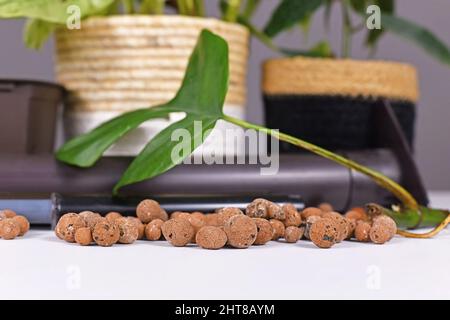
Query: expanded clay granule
[324,232]
[24,224]
[262,208]
[264,229]
[293,234]
[7,213]
[278,229]
[153,230]
[83,236]
[128,230]
[309,212]
[326,207]
[212,219]
[383,229]
[225,214]
[67,225]
[362,231]
[357,214]
[210,237]
[309,222]
[149,210]
[113,216]
[292,217]
[9,229]
[178,232]
[241,231]
[351,226]
[106,233]
[139,225]
[90,218]
[341,224]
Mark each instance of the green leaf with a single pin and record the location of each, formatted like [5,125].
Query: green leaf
[85,150]
[289,13]
[320,50]
[159,155]
[36,33]
[422,37]
[201,98]
[54,11]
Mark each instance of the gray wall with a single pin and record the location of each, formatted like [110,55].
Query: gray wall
[433,130]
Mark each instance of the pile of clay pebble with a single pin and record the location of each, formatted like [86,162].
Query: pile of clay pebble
[12,225]
[263,221]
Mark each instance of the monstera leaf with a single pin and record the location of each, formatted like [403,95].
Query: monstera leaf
[201,98]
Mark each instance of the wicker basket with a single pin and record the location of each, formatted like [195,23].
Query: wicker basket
[122,63]
[330,102]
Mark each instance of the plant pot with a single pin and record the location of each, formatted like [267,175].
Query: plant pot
[122,63]
[331,102]
[28,116]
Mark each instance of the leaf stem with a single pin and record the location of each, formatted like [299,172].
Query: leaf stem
[232,11]
[401,193]
[346,30]
[250,8]
[128,6]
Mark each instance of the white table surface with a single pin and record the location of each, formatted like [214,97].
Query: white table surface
[41,266]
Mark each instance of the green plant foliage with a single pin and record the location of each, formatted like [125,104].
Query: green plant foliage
[36,32]
[290,13]
[201,98]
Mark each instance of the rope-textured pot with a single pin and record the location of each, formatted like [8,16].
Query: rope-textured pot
[330,102]
[121,63]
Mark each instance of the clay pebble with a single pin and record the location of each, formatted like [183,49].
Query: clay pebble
[324,232]
[106,233]
[265,231]
[211,238]
[278,229]
[83,236]
[24,224]
[153,230]
[293,234]
[67,225]
[241,231]
[292,216]
[178,232]
[9,229]
[149,210]
[128,230]
[362,231]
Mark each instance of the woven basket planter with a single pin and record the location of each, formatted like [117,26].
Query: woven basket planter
[330,102]
[122,63]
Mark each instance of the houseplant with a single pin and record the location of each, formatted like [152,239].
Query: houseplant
[202,100]
[127,54]
[328,98]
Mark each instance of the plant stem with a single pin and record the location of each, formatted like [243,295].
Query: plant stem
[250,8]
[128,6]
[402,194]
[152,7]
[346,30]
[199,7]
[232,11]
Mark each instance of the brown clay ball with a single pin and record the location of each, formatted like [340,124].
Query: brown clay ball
[323,233]
[362,231]
[178,232]
[278,229]
[128,230]
[67,225]
[226,213]
[309,212]
[177,214]
[292,217]
[24,224]
[383,229]
[210,237]
[357,214]
[340,222]
[139,225]
[196,223]
[241,231]
[265,231]
[7,213]
[198,215]
[90,218]
[149,210]
[326,207]
[351,226]
[153,230]
[263,208]
[212,219]
[83,236]
[309,222]
[106,233]
[113,216]
[9,229]
[293,234]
